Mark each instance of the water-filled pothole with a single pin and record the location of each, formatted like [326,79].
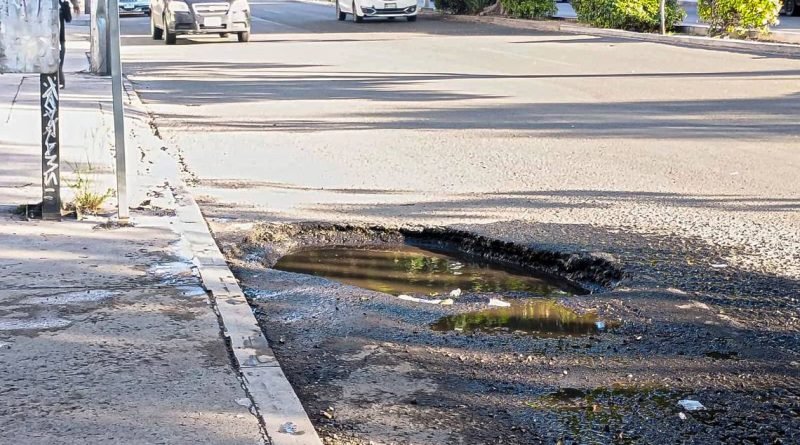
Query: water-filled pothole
[408,269]
[540,317]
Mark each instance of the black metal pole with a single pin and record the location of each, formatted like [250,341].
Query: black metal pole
[51,173]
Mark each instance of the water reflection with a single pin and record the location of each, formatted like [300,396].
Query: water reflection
[410,270]
[542,317]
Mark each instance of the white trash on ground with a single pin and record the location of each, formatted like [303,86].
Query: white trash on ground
[499,303]
[691,405]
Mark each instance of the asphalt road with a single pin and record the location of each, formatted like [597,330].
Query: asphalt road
[682,164]
[450,123]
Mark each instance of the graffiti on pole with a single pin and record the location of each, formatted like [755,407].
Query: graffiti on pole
[29,36]
[51,199]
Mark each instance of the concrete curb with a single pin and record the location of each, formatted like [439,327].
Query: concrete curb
[792,38]
[761,48]
[274,400]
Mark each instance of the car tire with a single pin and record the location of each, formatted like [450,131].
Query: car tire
[356,17]
[411,18]
[243,36]
[790,7]
[341,16]
[155,32]
[170,38]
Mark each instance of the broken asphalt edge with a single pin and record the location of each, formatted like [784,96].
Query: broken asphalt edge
[692,41]
[274,401]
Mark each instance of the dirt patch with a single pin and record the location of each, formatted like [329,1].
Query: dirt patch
[369,368]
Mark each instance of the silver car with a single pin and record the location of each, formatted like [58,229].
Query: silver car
[134,7]
[171,18]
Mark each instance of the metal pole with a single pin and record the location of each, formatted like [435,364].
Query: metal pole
[51,174]
[119,116]
[663,17]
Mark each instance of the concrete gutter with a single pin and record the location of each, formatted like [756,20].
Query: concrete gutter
[568,27]
[273,399]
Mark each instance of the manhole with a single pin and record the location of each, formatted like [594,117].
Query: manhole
[408,269]
[540,317]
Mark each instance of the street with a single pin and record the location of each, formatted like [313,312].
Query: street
[318,119]
[679,164]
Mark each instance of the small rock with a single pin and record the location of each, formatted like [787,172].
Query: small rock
[447,302]
[793,363]
[682,416]
[565,372]
[289,428]
[455,293]
[326,415]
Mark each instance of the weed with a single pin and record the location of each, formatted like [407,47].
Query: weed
[88,200]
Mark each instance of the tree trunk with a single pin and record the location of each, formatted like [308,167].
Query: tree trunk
[495,9]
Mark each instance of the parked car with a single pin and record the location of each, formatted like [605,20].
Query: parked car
[171,18]
[391,9]
[134,7]
[791,7]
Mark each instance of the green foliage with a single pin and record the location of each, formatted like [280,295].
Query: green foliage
[530,9]
[463,6]
[736,17]
[632,15]
[87,198]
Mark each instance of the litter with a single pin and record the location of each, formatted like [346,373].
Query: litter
[419,300]
[691,405]
[499,303]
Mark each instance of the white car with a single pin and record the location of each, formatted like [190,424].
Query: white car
[391,9]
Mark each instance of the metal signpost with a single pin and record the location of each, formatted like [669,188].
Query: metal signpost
[51,173]
[119,113]
[29,43]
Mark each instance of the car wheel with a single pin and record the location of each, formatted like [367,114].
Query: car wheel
[411,18]
[356,17]
[790,6]
[342,16]
[156,32]
[243,36]
[169,37]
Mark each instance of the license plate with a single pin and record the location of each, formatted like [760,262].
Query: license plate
[212,22]
[391,6]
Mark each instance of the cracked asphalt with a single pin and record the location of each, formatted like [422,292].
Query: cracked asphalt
[682,164]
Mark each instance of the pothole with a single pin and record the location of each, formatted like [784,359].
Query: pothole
[405,269]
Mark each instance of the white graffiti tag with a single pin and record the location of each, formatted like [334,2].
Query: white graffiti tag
[50,114]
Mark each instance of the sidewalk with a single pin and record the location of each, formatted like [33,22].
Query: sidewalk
[106,335]
[787,31]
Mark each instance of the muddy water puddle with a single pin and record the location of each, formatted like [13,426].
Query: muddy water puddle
[540,317]
[412,270]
